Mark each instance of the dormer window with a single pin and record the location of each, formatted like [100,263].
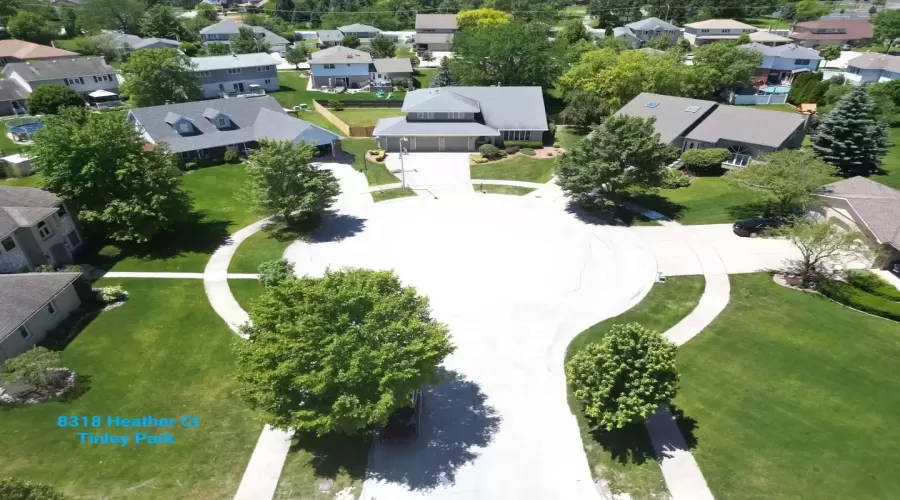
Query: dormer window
[223,122]
[184,127]
[217,118]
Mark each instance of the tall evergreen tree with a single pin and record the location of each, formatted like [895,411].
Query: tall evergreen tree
[443,77]
[850,137]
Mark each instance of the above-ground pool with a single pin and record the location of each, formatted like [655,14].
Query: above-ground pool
[776,89]
[26,128]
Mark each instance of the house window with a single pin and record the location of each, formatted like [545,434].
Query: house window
[23,331]
[74,240]
[268,81]
[203,73]
[51,309]
[61,211]
[44,230]
[102,78]
[801,62]
[726,31]
[234,71]
[223,122]
[515,135]
[704,31]
[268,68]
[74,81]
[184,127]
[8,244]
[329,66]
[457,116]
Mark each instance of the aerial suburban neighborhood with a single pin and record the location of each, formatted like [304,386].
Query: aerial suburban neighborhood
[380,250]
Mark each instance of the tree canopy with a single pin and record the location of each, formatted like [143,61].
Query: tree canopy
[351,41]
[246,42]
[726,66]
[13,488]
[297,54]
[887,25]
[506,54]
[482,17]
[443,77]
[49,99]
[158,76]
[788,177]
[120,15]
[217,49]
[338,353]
[624,378]
[850,137]
[31,27]
[383,46]
[98,162]
[160,21]
[822,246]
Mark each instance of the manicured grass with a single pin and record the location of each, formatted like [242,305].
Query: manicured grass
[337,457]
[7,145]
[293,91]
[795,397]
[391,194]
[376,173]
[498,189]
[518,168]
[568,137]
[625,458]
[768,22]
[268,244]
[424,77]
[164,353]
[891,162]
[406,52]
[30,181]
[315,118]
[245,291]
[708,200]
[366,117]
[787,108]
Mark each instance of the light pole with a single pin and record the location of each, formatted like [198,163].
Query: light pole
[402,169]
[667,13]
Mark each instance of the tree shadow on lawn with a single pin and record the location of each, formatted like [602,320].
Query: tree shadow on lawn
[335,454]
[194,235]
[632,444]
[456,422]
[657,203]
[620,215]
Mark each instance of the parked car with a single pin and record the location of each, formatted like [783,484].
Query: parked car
[755,227]
[403,424]
[846,46]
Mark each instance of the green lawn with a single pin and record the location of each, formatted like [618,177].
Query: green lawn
[164,353]
[392,194]
[293,91]
[376,173]
[498,189]
[366,117]
[518,168]
[245,291]
[768,22]
[424,77]
[787,108]
[406,52]
[268,244]
[795,397]
[218,213]
[30,181]
[708,200]
[891,162]
[7,145]
[626,458]
[568,137]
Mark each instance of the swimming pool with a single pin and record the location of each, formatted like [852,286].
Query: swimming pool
[776,89]
[26,128]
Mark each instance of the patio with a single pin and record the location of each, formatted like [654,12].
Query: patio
[103,99]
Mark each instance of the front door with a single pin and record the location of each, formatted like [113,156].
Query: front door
[60,255]
[441,144]
[238,87]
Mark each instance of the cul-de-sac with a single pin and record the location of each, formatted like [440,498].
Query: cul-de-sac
[480,250]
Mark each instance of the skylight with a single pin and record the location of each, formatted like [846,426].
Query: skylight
[692,109]
[651,104]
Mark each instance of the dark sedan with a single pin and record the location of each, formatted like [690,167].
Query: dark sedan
[754,227]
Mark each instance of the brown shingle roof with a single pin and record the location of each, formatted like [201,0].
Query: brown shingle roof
[21,49]
[854,29]
[876,204]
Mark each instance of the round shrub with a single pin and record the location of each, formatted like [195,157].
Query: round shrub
[49,99]
[511,150]
[490,152]
[557,145]
[478,159]
[704,161]
[109,294]
[12,488]
[336,105]
[672,179]
[230,156]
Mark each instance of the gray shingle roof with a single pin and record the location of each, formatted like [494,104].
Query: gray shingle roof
[652,24]
[788,51]
[232,28]
[671,118]
[24,207]
[876,204]
[340,55]
[399,126]
[622,31]
[54,69]
[212,63]
[151,41]
[22,295]
[358,28]
[11,90]
[747,125]
[330,35]
[279,126]
[436,21]
[28,216]
[503,108]
[245,115]
[393,65]
[874,60]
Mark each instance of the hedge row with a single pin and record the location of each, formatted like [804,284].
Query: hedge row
[524,144]
[851,296]
[874,284]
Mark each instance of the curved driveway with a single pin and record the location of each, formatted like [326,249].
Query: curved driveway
[515,278]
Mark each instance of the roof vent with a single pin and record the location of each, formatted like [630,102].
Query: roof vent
[692,109]
[651,104]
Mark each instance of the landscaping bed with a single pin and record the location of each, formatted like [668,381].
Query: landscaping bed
[866,292]
[625,459]
[376,173]
[794,397]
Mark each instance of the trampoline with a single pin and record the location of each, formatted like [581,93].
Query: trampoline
[25,131]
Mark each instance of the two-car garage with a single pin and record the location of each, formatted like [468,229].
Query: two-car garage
[429,144]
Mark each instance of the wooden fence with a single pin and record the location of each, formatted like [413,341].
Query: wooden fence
[320,105]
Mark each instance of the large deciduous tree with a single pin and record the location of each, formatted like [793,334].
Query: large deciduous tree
[823,246]
[31,27]
[382,46]
[50,99]
[726,66]
[160,21]
[583,109]
[97,161]
[808,10]
[338,353]
[217,49]
[788,177]
[246,42]
[297,54]
[207,12]
[158,76]
[830,52]
[284,181]
[120,15]
[506,54]
[624,378]
[887,25]
[850,137]
[624,151]
[482,17]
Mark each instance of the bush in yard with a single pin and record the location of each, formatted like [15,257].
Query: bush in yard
[527,152]
[704,161]
[400,83]
[673,179]
[874,284]
[851,296]
[511,150]
[478,159]
[624,377]
[38,367]
[525,144]
[230,156]
[49,99]
[490,152]
[557,145]
[273,272]
[336,105]
[109,294]
[13,488]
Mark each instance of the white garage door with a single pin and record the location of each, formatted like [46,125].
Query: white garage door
[457,143]
[425,144]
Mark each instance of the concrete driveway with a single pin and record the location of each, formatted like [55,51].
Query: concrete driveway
[515,279]
[441,174]
[354,186]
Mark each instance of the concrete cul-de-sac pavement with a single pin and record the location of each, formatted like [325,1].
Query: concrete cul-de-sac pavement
[437,174]
[515,279]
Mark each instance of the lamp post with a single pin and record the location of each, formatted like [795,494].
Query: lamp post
[402,169]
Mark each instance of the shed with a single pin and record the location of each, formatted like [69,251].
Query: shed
[16,165]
